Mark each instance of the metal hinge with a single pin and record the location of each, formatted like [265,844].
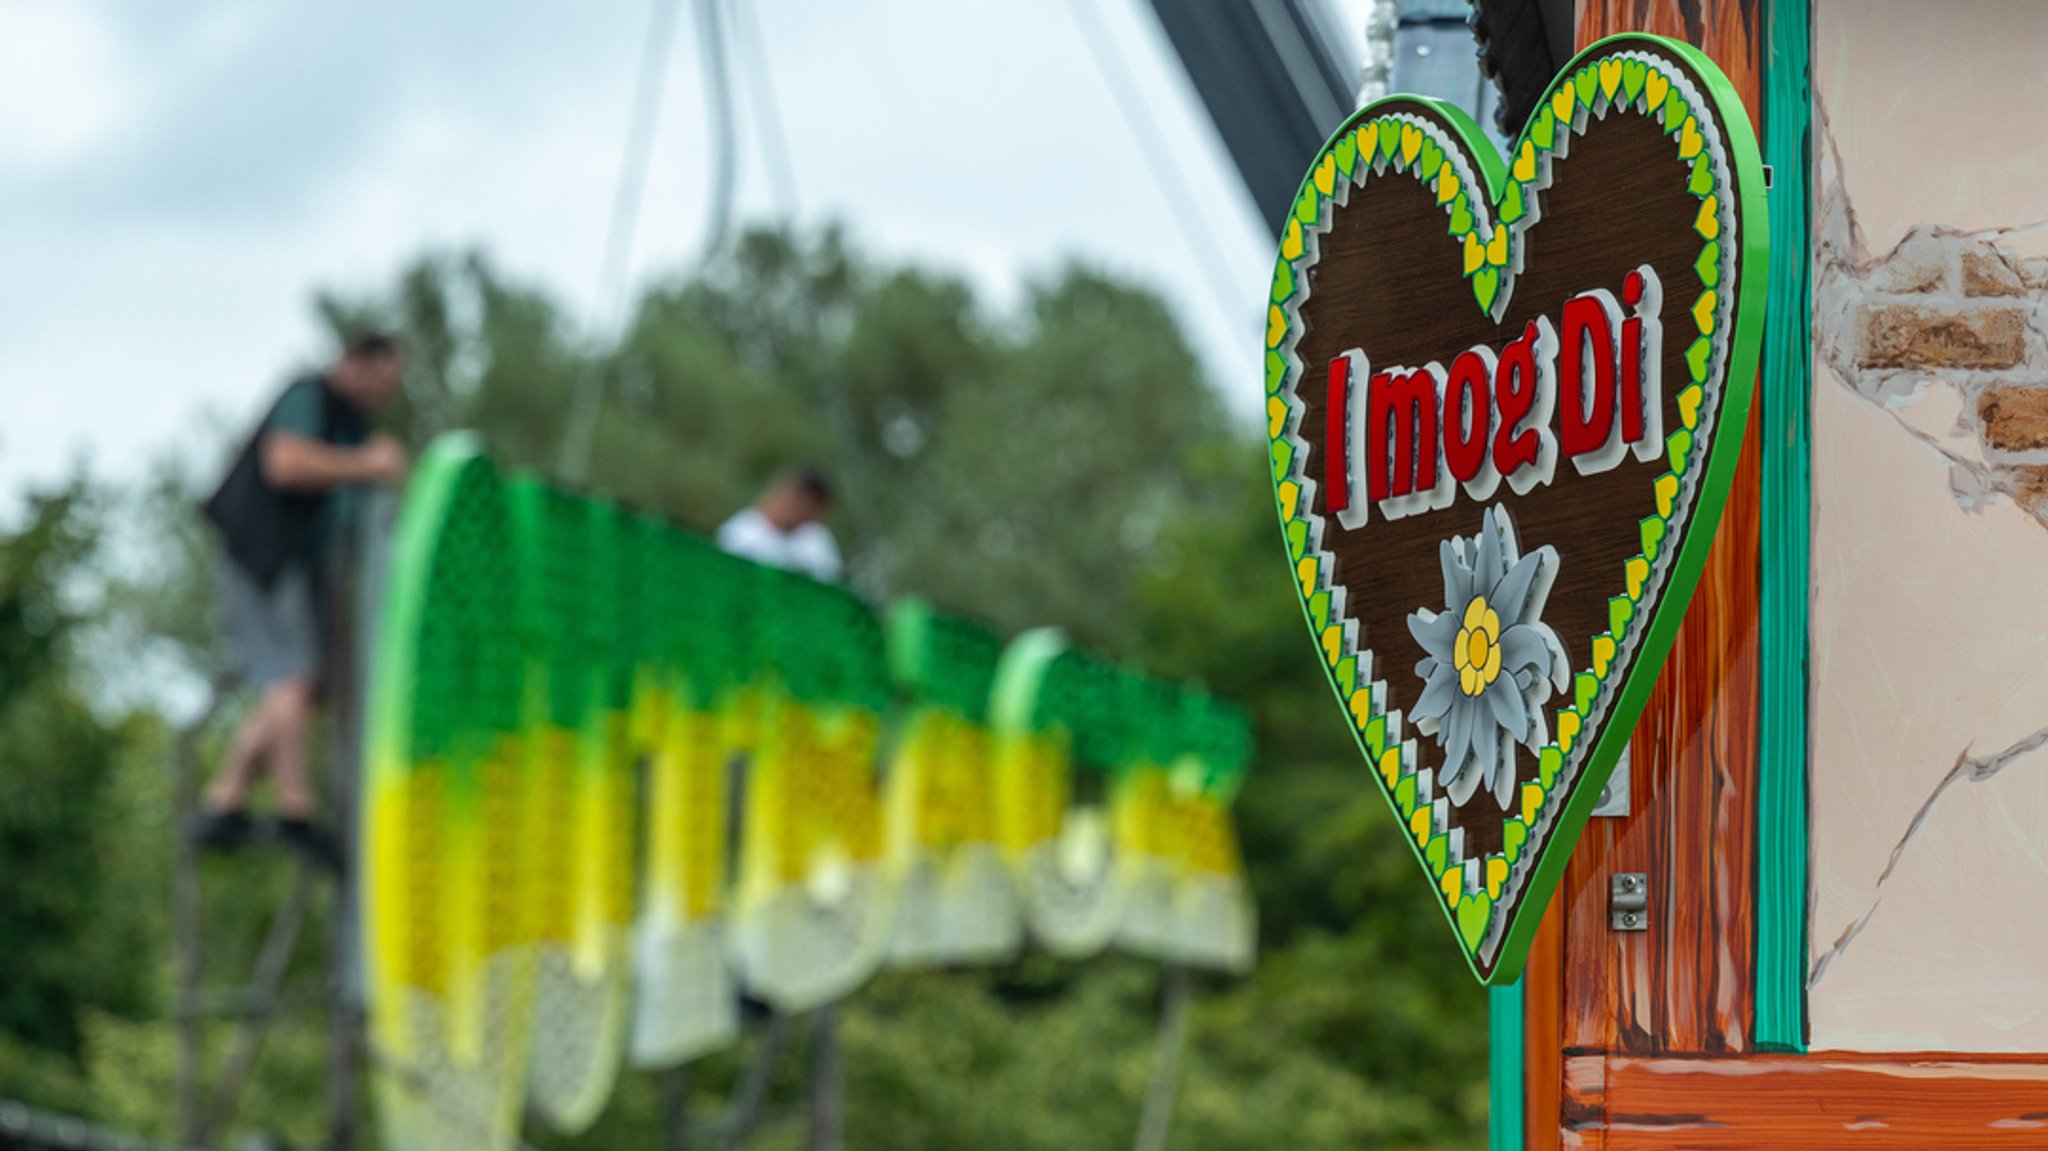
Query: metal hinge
[1628,902]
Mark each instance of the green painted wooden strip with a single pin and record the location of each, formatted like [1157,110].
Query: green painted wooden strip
[1788,359]
[1504,1070]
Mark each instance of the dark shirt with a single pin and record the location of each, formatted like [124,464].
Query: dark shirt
[265,529]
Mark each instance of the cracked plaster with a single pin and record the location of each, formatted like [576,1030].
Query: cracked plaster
[1929,906]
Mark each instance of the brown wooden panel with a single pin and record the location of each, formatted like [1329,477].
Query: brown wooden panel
[1810,1102]
[1588,1014]
[1687,984]
[1714,25]
[1542,1014]
[1582,1110]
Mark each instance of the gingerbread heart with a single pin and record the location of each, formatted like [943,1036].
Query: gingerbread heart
[1506,397]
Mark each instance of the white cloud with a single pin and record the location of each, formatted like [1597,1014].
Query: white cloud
[65,84]
[164,240]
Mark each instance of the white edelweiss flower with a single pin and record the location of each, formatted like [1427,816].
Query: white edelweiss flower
[1492,662]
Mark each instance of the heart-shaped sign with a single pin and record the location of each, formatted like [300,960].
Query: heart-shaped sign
[1506,398]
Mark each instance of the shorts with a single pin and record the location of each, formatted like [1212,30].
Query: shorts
[272,635]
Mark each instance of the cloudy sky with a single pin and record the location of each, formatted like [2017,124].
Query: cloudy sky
[177,178]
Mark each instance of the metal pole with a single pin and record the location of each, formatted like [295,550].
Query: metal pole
[737,1126]
[1157,1120]
[185,929]
[828,1082]
[280,943]
[361,591]
[580,429]
[675,1108]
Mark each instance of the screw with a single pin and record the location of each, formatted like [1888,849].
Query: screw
[1628,919]
[1628,883]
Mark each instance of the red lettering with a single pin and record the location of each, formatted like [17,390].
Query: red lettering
[1588,419]
[1336,438]
[1636,401]
[1401,423]
[1495,416]
[1514,390]
[1468,415]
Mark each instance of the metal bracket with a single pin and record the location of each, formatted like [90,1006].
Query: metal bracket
[1613,801]
[1628,901]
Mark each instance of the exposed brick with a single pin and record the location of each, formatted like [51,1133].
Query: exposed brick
[1919,265]
[2030,488]
[2015,419]
[1916,336]
[1986,273]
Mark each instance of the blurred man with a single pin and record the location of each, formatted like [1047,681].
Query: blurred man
[786,529]
[279,515]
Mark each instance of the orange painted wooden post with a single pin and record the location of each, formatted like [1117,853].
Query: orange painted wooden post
[1644,1040]
[1685,985]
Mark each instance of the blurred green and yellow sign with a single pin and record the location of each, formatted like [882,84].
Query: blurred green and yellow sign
[616,774]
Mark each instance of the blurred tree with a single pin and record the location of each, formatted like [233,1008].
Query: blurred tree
[1063,464]
[69,927]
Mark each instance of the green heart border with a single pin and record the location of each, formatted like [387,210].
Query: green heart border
[1382,139]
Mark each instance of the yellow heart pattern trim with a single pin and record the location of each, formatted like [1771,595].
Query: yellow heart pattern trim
[1496,874]
[1603,654]
[1276,418]
[1497,248]
[1369,143]
[1689,140]
[1306,572]
[1290,241]
[1667,491]
[1453,886]
[1390,759]
[1290,492]
[1567,730]
[1276,325]
[1561,104]
[1703,313]
[1475,253]
[1333,644]
[1709,222]
[1411,143]
[1532,802]
[1447,186]
[1326,174]
[1525,162]
[1689,405]
[1610,76]
[1418,825]
[1656,88]
[1638,572]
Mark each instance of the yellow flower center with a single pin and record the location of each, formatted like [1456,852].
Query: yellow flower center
[1477,648]
[1476,654]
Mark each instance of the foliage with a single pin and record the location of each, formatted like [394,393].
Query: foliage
[1062,463]
[60,811]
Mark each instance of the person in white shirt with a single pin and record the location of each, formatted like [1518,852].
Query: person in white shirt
[786,529]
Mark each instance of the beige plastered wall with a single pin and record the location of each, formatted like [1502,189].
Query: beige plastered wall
[1929,912]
